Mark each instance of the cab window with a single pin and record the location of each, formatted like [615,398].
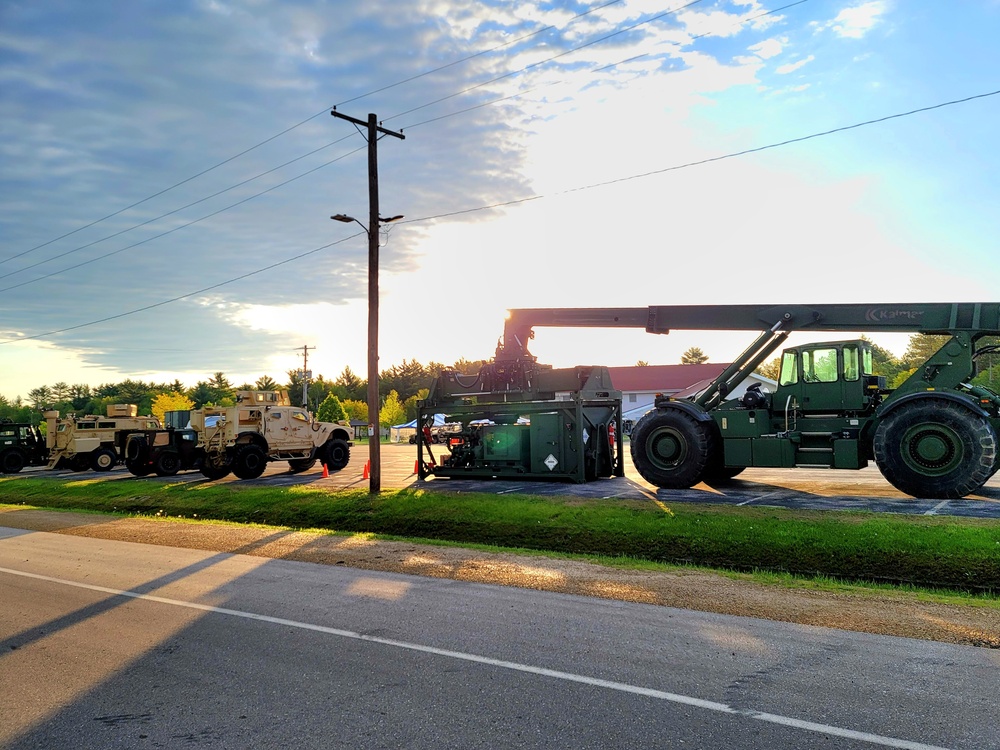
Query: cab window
[299,416]
[852,364]
[789,369]
[819,366]
[867,363]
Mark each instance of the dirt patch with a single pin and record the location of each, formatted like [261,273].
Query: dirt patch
[896,614]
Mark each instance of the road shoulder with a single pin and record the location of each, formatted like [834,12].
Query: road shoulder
[885,614]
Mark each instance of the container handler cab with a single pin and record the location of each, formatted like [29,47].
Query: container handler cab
[933,436]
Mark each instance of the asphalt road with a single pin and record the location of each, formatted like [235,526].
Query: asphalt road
[108,644]
[818,489]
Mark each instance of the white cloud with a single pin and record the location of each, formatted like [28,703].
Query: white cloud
[792,67]
[856,21]
[767,49]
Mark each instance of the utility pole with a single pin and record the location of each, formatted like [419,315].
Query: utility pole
[371,133]
[305,375]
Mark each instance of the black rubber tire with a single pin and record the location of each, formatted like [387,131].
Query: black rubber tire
[298,465]
[167,464]
[103,459]
[671,449]
[336,454]
[212,468]
[137,450]
[933,448]
[12,461]
[137,457]
[249,461]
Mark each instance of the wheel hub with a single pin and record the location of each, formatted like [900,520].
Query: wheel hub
[932,449]
[667,448]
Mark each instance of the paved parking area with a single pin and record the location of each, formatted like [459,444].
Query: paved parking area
[814,489]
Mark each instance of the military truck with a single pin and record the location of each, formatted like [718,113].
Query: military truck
[935,435]
[167,451]
[265,427]
[21,445]
[92,442]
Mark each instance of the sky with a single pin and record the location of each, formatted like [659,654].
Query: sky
[168,172]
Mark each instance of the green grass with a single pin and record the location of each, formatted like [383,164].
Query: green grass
[935,552]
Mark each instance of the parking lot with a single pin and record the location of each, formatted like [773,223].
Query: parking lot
[816,489]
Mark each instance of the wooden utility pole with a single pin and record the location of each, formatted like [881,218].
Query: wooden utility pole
[305,375]
[371,132]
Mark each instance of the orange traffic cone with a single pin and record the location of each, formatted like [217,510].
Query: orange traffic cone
[326,471]
[416,466]
[368,470]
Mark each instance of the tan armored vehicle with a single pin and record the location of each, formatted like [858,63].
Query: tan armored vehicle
[263,427]
[91,442]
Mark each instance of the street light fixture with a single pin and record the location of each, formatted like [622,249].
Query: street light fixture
[374,432]
[348,219]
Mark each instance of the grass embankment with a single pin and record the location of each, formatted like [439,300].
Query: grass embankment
[946,552]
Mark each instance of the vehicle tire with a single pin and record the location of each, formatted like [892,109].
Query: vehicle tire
[216,467]
[137,457]
[671,449]
[167,464]
[12,461]
[103,459]
[336,454]
[298,465]
[80,462]
[935,448]
[249,461]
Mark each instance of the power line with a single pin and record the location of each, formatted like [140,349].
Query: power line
[300,124]
[178,210]
[178,228]
[201,200]
[183,296]
[549,59]
[517,201]
[594,70]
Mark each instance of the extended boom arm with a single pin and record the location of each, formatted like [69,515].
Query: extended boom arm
[933,318]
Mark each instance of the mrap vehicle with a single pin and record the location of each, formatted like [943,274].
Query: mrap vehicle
[935,435]
[263,426]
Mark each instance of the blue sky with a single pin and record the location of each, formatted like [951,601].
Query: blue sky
[144,158]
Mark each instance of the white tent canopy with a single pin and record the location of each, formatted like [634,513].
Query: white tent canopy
[401,432]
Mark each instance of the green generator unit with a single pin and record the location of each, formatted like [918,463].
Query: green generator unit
[563,425]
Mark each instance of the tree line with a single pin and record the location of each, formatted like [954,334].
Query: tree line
[400,387]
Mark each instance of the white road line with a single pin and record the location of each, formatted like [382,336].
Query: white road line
[622,687]
[760,497]
[933,511]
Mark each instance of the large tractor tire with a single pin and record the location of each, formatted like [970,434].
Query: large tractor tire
[12,461]
[336,454]
[935,448]
[249,461]
[672,449]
